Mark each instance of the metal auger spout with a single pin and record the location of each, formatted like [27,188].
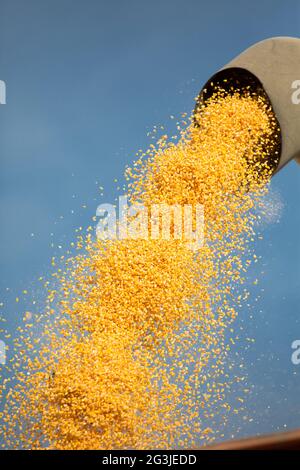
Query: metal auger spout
[271,67]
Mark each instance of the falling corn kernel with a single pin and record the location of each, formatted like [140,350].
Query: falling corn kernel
[132,348]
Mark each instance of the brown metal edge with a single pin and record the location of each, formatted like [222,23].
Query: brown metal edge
[279,441]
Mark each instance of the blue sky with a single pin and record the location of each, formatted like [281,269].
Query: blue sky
[86,81]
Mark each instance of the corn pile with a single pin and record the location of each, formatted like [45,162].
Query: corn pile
[132,350]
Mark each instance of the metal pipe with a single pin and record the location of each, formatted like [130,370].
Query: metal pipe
[270,67]
[280,441]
